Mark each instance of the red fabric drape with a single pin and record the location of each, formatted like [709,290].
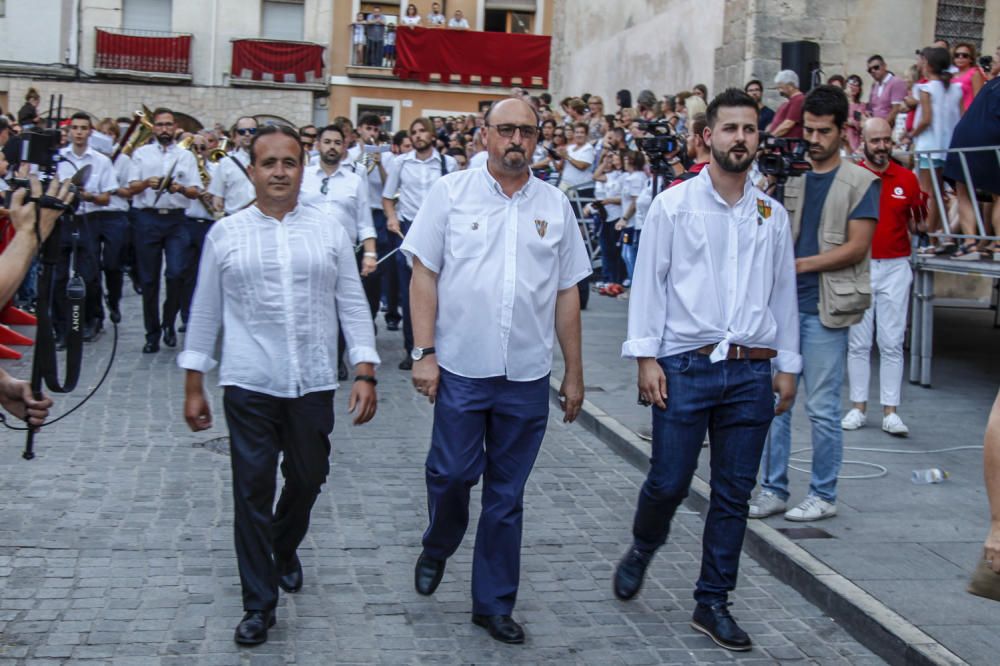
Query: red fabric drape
[144,54]
[258,57]
[421,52]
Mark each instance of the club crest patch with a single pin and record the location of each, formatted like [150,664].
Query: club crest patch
[540,227]
[763,211]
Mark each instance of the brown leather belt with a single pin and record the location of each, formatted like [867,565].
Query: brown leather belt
[741,352]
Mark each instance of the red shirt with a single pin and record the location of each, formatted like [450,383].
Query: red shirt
[689,174]
[900,196]
[790,110]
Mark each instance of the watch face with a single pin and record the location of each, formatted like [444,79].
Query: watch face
[417,354]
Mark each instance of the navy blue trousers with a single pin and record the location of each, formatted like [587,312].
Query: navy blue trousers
[405,273]
[112,228]
[734,401]
[490,428]
[197,229]
[157,237]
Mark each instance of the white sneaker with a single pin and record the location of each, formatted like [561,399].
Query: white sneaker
[766,504]
[853,420]
[894,425]
[811,508]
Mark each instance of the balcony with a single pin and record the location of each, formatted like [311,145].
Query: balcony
[464,57]
[271,63]
[143,54]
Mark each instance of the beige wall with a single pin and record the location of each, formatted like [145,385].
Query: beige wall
[664,45]
[208,105]
[416,101]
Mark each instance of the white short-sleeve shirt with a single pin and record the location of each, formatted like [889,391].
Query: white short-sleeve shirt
[500,263]
[102,176]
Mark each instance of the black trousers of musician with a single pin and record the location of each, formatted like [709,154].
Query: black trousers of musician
[85,263]
[405,272]
[112,229]
[260,427]
[197,229]
[385,243]
[160,235]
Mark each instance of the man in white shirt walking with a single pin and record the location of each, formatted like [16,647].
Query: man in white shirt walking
[496,259]
[713,307]
[275,280]
[411,177]
[231,188]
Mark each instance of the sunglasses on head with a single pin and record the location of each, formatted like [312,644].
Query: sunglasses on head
[243,131]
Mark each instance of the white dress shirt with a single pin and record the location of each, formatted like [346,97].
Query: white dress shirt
[611,189]
[709,273]
[231,183]
[275,290]
[500,262]
[412,178]
[346,199]
[197,209]
[101,179]
[122,166]
[156,161]
[479,159]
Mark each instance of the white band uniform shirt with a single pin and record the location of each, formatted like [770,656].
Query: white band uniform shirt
[278,291]
[122,166]
[231,183]
[411,178]
[155,161]
[197,209]
[479,160]
[345,200]
[102,176]
[500,263]
[709,273]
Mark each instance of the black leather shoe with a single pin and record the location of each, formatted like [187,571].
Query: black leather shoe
[169,336]
[406,363]
[342,371]
[716,623]
[501,628]
[427,574]
[151,348]
[89,332]
[60,343]
[183,327]
[392,325]
[289,574]
[630,573]
[114,312]
[252,629]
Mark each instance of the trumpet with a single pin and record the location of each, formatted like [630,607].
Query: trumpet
[219,153]
[138,133]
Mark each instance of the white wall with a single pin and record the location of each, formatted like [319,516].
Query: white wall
[663,45]
[34,32]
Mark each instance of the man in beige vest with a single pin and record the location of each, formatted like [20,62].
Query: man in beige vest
[833,211]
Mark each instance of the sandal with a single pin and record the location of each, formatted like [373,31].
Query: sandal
[968,252]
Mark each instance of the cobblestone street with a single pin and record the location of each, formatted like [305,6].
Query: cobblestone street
[116,547]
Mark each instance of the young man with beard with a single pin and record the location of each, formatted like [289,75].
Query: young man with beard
[411,177]
[712,309]
[833,209]
[496,259]
[335,188]
[277,282]
[891,277]
[755,89]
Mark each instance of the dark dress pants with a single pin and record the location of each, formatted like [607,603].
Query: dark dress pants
[260,427]
[158,237]
[490,428]
[85,263]
[197,229]
[734,401]
[385,243]
[112,229]
[404,273]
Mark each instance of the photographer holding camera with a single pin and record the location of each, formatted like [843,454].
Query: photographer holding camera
[15,394]
[833,210]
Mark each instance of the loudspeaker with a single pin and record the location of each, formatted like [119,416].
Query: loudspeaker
[803,59]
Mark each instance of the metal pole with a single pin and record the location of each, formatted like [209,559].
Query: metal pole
[971,188]
[916,323]
[927,332]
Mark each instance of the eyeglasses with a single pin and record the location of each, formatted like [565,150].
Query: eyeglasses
[243,131]
[874,68]
[507,130]
[323,187]
[962,54]
[308,136]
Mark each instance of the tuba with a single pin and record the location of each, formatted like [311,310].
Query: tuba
[220,152]
[138,133]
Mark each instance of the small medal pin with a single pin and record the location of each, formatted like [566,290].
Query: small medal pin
[475,225]
[540,227]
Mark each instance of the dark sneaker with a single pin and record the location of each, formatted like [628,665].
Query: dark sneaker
[716,623]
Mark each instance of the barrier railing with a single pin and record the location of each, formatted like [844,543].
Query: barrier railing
[963,158]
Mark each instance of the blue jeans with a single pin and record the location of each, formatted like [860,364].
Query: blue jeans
[630,251]
[824,354]
[734,402]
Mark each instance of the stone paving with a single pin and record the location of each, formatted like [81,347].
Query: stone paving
[116,548]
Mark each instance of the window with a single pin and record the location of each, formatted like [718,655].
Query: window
[517,16]
[960,21]
[283,19]
[147,15]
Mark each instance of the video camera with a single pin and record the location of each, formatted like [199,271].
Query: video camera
[662,143]
[783,157]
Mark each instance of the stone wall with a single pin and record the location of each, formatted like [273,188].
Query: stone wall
[208,104]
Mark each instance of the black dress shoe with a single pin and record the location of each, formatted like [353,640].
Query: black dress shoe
[183,327]
[501,628]
[630,573]
[252,629]
[427,574]
[406,364]
[716,623]
[151,348]
[342,371]
[289,574]
[169,336]
[392,325]
[60,342]
[89,332]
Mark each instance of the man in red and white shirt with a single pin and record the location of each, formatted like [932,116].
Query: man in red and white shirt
[891,277]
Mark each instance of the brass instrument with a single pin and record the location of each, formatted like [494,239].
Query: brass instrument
[219,153]
[138,133]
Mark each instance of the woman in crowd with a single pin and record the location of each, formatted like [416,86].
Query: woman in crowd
[633,183]
[856,113]
[596,107]
[938,110]
[412,16]
[969,77]
[607,210]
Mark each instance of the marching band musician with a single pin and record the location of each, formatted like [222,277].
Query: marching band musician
[231,188]
[163,180]
[371,168]
[198,219]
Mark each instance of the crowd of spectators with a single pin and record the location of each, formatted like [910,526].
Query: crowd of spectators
[373,35]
